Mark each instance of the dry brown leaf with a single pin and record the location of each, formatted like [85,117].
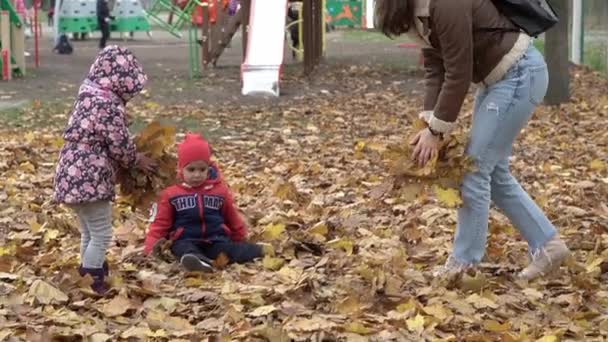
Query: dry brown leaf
[118,306]
[351,245]
[46,293]
[140,189]
[221,261]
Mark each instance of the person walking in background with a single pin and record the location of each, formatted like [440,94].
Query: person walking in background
[103,19]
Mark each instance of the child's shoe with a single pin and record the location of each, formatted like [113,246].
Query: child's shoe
[98,276]
[194,263]
[105,267]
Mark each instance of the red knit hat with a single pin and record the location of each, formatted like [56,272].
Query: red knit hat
[193,148]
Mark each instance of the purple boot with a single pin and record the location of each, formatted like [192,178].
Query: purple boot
[98,275]
[105,266]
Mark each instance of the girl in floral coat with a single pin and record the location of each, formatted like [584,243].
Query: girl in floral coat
[97,144]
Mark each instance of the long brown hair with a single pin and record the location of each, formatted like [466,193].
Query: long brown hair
[394,17]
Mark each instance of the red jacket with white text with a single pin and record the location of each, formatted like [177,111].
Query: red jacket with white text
[205,213]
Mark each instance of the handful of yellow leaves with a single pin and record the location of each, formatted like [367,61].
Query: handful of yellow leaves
[443,173]
[139,188]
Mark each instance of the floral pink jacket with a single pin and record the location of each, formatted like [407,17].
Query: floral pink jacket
[97,139]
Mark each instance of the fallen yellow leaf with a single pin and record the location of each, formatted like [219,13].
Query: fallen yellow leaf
[27,167]
[597,165]
[8,249]
[267,248]
[357,328]
[415,324]
[263,310]
[320,229]
[448,197]
[271,263]
[29,137]
[273,231]
[492,325]
[410,305]
[348,306]
[344,244]
[437,311]
[194,282]
[594,264]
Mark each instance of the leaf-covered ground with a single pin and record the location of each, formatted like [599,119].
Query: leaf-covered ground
[352,253]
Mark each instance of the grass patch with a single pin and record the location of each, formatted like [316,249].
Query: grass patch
[35,115]
[596,57]
[11,116]
[539,45]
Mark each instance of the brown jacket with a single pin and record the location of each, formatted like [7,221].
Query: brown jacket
[458,51]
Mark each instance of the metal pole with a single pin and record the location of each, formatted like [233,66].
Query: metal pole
[205,34]
[323,30]
[307,12]
[36,34]
[5,41]
[577,31]
[56,18]
[246,8]
[300,52]
[320,26]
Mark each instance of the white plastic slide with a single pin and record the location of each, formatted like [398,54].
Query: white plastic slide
[369,14]
[265,45]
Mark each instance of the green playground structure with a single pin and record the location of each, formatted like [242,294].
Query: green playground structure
[80,16]
[181,14]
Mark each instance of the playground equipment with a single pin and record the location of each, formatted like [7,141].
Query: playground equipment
[12,42]
[313,27]
[130,17]
[370,8]
[217,29]
[76,16]
[262,23]
[298,51]
[264,56]
[181,11]
[80,17]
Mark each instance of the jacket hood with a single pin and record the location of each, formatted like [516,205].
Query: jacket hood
[116,69]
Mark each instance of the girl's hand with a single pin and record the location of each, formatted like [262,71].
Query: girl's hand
[145,163]
[427,145]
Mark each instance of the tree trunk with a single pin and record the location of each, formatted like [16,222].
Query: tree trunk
[556,54]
